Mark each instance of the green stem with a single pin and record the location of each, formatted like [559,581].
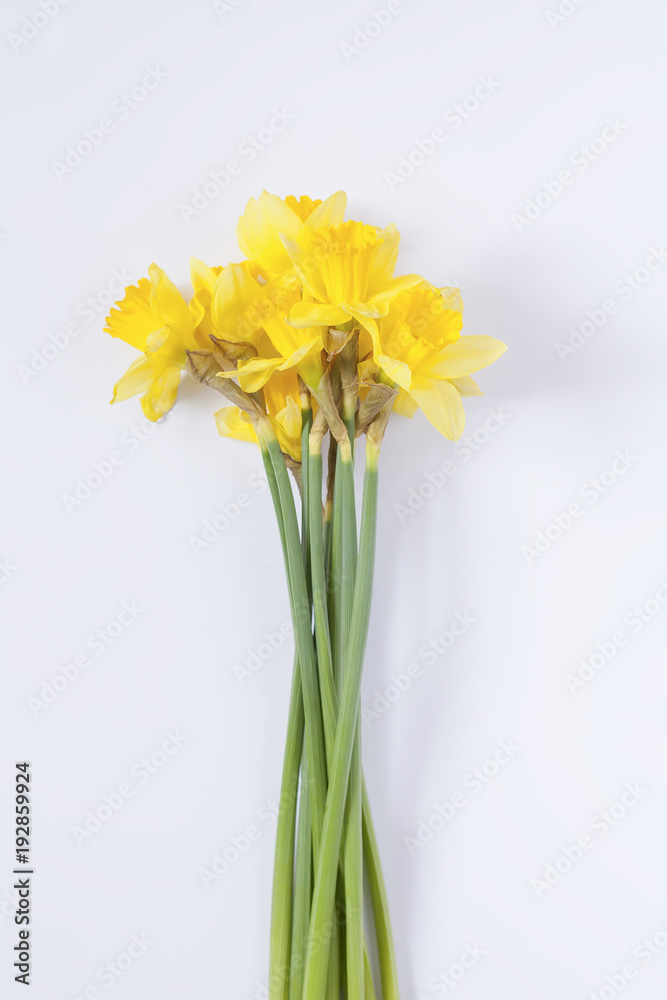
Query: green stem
[301,617]
[306,424]
[328,526]
[283,869]
[378,892]
[304,839]
[335,574]
[319,591]
[352,837]
[368,979]
[323,644]
[380,904]
[353,861]
[346,727]
[302,887]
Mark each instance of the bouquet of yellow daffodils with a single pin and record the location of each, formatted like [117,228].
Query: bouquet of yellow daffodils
[313,340]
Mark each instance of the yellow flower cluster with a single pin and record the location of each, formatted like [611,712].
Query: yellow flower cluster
[311,281]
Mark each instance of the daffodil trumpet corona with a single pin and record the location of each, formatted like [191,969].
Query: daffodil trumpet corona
[314,342]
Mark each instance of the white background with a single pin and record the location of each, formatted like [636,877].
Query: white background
[535,618]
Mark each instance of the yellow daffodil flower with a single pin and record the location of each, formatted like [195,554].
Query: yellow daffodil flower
[245,310]
[267,217]
[420,349]
[154,317]
[348,273]
[243,307]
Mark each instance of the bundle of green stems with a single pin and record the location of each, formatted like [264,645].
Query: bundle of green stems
[324,941]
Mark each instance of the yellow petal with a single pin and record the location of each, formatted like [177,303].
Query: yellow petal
[236,306]
[466,386]
[203,283]
[233,422]
[367,324]
[441,405]
[290,418]
[384,262]
[157,339]
[404,404]
[259,228]
[306,266]
[169,304]
[161,394]
[279,214]
[134,320]
[252,375]
[278,389]
[288,429]
[302,206]
[312,345]
[166,348]
[330,212]
[397,371]
[366,309]
[137,378]
[203,277]
[307,361]
[249,229]
[393,287]
[466,356]
[304,314]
